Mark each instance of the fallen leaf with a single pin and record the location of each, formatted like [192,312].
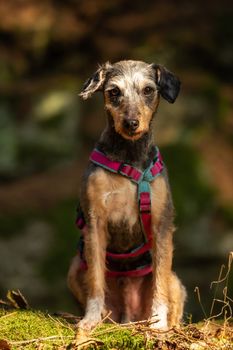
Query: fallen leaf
[4,345]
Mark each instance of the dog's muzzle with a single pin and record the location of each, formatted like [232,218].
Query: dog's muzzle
[131,125]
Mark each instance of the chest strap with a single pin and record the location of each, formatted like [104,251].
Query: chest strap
[142,179]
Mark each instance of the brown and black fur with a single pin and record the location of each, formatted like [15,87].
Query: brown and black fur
[132,90]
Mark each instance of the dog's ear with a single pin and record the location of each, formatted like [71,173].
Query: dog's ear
[95,82]
[167,82]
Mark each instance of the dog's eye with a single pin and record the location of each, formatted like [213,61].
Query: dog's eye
[114,92]
[148,90]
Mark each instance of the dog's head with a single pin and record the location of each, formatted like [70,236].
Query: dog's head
[131,91]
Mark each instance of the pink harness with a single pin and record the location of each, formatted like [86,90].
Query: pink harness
[142,180]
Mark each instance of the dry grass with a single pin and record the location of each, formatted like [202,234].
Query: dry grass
[26,329]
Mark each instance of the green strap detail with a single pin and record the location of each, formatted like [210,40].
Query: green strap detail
[144,183]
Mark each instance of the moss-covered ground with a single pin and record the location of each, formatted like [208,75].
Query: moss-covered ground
[28,329]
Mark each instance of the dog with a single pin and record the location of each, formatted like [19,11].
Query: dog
[124,263]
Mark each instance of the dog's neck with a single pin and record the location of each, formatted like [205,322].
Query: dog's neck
[138,153]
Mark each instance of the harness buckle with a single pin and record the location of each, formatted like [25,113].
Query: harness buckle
[121,166]
[145,202]
[132,173]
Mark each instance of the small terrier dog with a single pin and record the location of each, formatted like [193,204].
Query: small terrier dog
[124,263]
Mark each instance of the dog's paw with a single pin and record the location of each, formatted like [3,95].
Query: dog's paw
[93,315]
[158,324]
[88,323]
[159,318]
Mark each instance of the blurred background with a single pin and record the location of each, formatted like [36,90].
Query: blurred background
[48,48]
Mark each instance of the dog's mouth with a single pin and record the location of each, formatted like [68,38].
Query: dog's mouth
[132,135]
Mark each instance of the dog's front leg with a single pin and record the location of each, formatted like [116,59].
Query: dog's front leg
[95,251]
[162,261]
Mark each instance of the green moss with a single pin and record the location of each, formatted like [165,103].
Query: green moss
[18,326]
[117,337]
[30,329]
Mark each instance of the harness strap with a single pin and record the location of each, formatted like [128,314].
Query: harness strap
[142,179]
[80,223]
[133,253]
[145,215]
[142,271]
[138,272]
[127,170]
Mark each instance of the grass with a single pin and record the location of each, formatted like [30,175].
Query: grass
[28,329]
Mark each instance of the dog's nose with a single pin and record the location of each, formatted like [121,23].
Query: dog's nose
[131,124]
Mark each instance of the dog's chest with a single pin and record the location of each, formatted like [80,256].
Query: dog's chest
[123,223]
[115,200]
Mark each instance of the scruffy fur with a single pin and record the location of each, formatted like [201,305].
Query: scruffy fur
[131,92]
